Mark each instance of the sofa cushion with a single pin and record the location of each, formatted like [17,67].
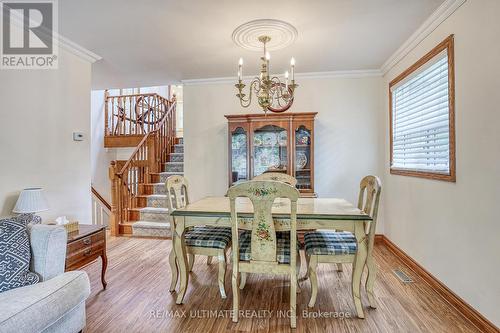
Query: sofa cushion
[15,253]
[37,307]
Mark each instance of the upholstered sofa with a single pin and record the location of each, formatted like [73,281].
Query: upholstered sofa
[57,302]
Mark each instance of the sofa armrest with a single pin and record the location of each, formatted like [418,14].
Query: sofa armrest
[48,250]
[38,307]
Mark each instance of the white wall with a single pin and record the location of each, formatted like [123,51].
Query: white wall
[100,157]
[453,229]
[160,90]
[40,110]
[347,139]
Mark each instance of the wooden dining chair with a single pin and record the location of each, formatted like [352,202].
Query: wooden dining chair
[204,240]
[263,250]
[277,176]
[340,246]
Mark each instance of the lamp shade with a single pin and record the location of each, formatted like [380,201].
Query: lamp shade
[31,200]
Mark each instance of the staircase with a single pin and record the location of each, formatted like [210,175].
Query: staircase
[146,122]
[153,218]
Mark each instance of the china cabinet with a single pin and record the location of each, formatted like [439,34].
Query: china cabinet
[260,143]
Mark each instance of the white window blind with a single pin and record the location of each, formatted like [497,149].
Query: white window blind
[421,119]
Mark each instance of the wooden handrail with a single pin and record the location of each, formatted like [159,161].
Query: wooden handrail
[133,114]
[101,199]
[133,95]
[145,139]
[148,158]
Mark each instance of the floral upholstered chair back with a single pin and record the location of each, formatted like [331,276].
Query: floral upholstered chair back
[177,192]
[370,188]
[263,238]
[277,176]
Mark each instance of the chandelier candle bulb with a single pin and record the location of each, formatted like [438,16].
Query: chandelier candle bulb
[286,81]
[240,69]
[292,64]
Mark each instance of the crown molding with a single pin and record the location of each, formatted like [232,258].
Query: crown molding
[311,75]
[439,16]
[350,74]
[76,49]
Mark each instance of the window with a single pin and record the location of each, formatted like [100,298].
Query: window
[422,117]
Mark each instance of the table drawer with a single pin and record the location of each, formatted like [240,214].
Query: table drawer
[85,242]
[85,249]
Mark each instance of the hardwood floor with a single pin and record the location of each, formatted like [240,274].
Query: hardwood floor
[137,298]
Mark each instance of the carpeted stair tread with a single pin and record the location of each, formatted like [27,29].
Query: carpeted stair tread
[151,229]
[151,225]
[154,210]
[158,196]
[153,220]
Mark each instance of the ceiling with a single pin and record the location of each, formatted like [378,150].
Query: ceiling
[156,42]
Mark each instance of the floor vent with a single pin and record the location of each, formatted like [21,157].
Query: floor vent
[402,276]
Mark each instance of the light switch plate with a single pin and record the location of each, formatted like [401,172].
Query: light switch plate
[78,136]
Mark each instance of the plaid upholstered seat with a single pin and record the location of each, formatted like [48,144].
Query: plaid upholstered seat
[282,242]
[211,237]
[330,243]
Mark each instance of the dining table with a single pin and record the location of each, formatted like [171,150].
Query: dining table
[312,214]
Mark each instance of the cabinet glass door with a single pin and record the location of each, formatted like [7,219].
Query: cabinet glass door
[270,150]
[303,158]
[239,155]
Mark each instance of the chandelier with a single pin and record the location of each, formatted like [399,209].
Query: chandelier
[272,93]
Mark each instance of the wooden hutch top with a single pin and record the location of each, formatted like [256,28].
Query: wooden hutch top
[270,115]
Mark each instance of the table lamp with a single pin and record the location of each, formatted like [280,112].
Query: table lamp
[31,200]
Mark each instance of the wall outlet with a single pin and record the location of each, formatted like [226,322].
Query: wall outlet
[78,136]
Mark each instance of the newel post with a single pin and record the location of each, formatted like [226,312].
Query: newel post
[114,222]
[152,160]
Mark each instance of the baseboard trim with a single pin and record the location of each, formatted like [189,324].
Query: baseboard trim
[477,319]
[379,239]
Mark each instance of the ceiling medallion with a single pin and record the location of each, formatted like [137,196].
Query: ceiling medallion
[272,93]
[282,34]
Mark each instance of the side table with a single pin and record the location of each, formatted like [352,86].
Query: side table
[85,246]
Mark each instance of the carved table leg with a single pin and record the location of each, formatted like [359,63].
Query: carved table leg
[313,278]
[173,268]
[243,280]
[370,281]
[180,253]
[222,273]
[359,264]
[103,270]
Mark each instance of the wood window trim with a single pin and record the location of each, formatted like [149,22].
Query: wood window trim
[447,44]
